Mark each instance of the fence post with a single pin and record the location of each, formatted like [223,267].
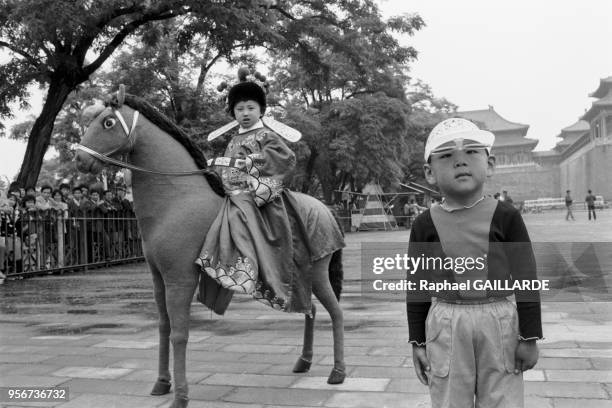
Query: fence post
[84,239]
[60,240]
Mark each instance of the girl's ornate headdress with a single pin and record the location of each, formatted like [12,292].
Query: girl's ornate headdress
[249,89]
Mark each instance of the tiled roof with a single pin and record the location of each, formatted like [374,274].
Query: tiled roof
[579,126]
[604,85]
[606,101]
[570,138]
[491,120]
[572,133]
[513,140]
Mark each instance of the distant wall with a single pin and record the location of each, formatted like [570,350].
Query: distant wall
[526,182]
[588,168]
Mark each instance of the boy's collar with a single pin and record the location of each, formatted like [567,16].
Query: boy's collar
[258,125]
[446,208]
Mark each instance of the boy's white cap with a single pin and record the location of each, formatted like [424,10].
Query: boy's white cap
[457,128]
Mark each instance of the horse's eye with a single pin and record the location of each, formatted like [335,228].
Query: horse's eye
[109,123]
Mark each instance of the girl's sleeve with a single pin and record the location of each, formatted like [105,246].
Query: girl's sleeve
[274,159]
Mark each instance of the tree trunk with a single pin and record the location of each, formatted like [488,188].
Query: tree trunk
[328,191]
[40,136]
[310,165]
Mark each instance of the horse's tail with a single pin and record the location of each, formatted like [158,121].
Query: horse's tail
[336,273]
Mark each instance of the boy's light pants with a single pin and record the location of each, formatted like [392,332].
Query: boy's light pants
[471,349]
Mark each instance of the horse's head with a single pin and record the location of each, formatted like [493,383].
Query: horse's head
[110,133]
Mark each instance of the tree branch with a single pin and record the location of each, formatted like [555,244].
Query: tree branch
[305,96]
[361,93]
[205,69]
[80,50]
[24,54]
[127,30]
[283,12]
[107,18]
[46,50]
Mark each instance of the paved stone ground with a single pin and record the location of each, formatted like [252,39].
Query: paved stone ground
[95,333]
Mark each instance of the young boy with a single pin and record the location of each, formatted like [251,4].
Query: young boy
[469,343]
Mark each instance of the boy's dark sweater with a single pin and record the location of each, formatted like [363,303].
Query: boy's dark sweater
[478,229]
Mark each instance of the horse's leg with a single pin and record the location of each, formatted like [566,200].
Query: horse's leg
[179,294]
[305,360]
[322,289]
[162,385]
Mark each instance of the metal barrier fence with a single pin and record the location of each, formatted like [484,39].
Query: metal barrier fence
[40,242]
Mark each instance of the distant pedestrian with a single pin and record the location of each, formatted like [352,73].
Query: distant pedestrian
[568,204]
[122,203]
[85,191]
[506,198]
[44,201]
[590,202]
[64,189]
[9,237]
[407,213]
[74,202]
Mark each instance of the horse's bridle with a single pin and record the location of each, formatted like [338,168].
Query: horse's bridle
[130,141]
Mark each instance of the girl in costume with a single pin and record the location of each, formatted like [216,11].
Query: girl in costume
[264,236]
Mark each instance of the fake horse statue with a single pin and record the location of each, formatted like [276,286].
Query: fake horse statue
[165,165]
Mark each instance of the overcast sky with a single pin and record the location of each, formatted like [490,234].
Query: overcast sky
[534,61]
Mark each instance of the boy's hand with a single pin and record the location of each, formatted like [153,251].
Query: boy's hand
[526,356]
[421,363]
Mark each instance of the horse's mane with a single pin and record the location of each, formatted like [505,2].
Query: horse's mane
[161,121]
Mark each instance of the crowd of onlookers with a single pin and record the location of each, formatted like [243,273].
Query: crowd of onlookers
[88,223]
[64,198]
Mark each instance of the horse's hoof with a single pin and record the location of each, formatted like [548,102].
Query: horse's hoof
[161,387]
[337,376]
[180,403]
[302,365]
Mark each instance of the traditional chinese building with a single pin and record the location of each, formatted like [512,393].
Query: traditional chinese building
[516,169]
[581,160]
[585,151]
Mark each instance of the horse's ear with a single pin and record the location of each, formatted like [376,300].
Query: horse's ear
[121,95]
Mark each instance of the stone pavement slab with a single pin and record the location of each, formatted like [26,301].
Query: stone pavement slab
[387,400]
[250,380]
[92,372]
[108,400]
[279,396]
[350,384]
[127,344]
[581,403]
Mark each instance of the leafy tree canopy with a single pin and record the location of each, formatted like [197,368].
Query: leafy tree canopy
[59,44]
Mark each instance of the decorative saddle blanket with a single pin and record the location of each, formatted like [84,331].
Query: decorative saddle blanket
[268,251]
